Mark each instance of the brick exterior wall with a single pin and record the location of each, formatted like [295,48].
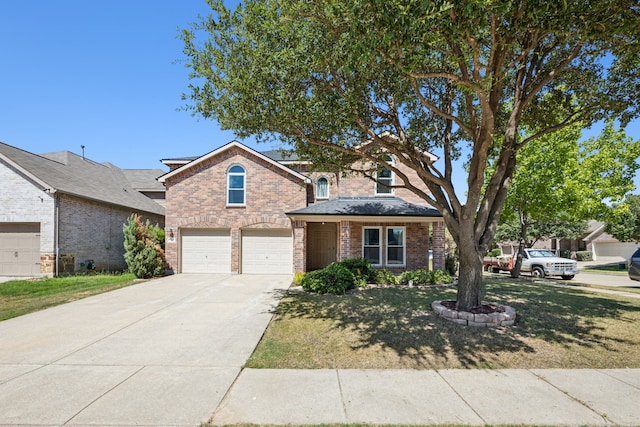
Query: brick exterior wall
[354,185]
[87,229]
[417,236]
[196,198]
[93,231]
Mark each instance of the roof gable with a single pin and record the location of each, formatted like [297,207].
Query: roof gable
[230,145]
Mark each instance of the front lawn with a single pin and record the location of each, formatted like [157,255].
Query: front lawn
[20,297]
[394,327]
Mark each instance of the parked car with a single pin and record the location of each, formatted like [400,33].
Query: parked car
[634,266]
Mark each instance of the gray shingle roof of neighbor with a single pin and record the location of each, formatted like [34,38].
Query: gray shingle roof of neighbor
[70,173]
[367,206]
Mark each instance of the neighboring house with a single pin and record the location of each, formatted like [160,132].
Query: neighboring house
[604,246]
[62,213]
[236,210]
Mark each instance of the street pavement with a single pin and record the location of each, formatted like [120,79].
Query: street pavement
[170,352]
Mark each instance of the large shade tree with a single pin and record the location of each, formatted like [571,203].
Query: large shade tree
[445,77]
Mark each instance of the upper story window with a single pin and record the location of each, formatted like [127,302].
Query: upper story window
[322,188]
[384,179]
[236,186]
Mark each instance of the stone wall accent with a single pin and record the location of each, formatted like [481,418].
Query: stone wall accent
[492,320]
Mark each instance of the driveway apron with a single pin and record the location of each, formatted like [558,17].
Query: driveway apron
[163,352]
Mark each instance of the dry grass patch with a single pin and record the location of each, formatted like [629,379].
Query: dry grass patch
[394,327]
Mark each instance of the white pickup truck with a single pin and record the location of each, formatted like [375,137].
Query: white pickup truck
[539,262]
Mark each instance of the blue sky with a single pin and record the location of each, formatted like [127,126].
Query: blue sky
[106,75]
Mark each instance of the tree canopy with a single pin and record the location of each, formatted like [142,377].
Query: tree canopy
[440,76]
[624,222]
[561,181]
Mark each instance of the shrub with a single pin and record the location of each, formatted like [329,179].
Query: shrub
[143,253]
[385,277]
[584,256]
[425,277]
[565,253]
[361,269]
[334,279]
[297,278]
[415,277]
[439,277]
[451,264]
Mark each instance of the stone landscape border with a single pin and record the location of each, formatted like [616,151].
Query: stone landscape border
[505,317]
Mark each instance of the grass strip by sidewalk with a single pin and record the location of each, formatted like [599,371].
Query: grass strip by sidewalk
[394,327]
[20,297]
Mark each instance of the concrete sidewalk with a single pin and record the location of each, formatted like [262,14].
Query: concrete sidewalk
[471,397]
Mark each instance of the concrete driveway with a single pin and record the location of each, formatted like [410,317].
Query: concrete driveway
[163,352]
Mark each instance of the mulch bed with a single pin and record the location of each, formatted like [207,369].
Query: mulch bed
[485,308]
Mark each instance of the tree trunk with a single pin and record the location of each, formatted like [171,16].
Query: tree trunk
[517,264]
[470,277]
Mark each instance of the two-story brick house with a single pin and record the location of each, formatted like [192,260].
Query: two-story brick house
[63,213]
[236,210]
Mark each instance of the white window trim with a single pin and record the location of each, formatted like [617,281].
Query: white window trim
[404,246]
[380,244]
[392,180]
[244,188]
[328,187]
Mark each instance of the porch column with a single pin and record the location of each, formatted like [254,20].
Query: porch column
[299,246]
[438,245]
[345,240]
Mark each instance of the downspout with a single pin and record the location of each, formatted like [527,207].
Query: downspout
[57,234]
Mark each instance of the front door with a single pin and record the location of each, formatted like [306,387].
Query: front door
[322,244]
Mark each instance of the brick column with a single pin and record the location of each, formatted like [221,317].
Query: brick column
[299,246]
[345,240]
[438,245]
[235,250]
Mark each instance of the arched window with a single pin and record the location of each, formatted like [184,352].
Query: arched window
[322,188]
[236,186]
[384,179]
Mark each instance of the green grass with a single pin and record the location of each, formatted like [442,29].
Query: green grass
[20,297]
[606,269]
[394,327]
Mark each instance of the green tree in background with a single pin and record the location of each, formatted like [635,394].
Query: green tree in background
[415,76]
[143,243]
[624,222]
[561,182]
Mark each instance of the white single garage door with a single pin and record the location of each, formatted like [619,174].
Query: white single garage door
[617,249]
[19,249]
[266,251]
[206,251]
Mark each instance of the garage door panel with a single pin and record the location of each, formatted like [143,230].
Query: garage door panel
[19,249]
[267,251]
[206,251]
